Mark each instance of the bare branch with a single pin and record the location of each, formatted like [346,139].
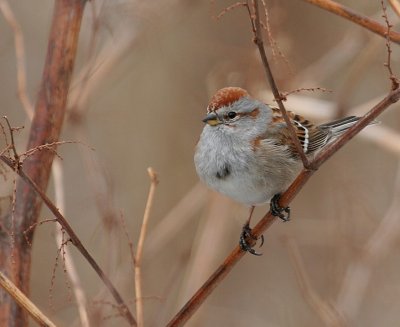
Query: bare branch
[355,17]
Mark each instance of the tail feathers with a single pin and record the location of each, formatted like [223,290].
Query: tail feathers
[339,126]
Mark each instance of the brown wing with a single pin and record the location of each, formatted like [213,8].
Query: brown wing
[310,136]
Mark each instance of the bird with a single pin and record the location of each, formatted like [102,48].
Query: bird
[246,152]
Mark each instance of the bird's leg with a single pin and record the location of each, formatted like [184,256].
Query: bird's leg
[246,233]
[278,211]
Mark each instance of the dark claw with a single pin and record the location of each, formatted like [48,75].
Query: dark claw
[244,245]
[277,210]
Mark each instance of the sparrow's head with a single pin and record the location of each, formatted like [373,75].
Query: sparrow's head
[233,108]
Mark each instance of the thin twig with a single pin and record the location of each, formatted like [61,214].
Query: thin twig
[35,225]
[258,40]
[139,251]
[393,78]
[355,17]
[12,129]
[24,302]
[60,251]
[307,89]
[68,260]
[177,219]
[130,243]
[228,9]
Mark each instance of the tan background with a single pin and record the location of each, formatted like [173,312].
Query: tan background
[153,67]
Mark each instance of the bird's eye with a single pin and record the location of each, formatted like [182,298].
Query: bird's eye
[231,114]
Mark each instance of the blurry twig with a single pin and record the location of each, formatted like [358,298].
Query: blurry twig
[227,9]
[358,273]
[355,17]
[12,142]
[307,89]
[20,56]
[24,301]
[177,218]
[139,251]
[211,233]
[325,311]
[395,6]
[70,265]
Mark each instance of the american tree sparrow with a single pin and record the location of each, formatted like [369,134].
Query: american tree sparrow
[246,153]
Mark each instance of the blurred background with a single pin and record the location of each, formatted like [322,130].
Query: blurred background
[143,78]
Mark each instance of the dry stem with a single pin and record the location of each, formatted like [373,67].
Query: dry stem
[355,17]
[396,6]
[24,302]
[20,56]
[139,251]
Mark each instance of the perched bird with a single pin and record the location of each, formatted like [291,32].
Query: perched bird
[246,153]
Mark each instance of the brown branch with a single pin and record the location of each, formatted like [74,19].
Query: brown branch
[258,40]
[223,270]
[356,18]
[124,310]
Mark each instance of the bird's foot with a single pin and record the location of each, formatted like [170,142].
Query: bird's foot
[244,236]
[278,211]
